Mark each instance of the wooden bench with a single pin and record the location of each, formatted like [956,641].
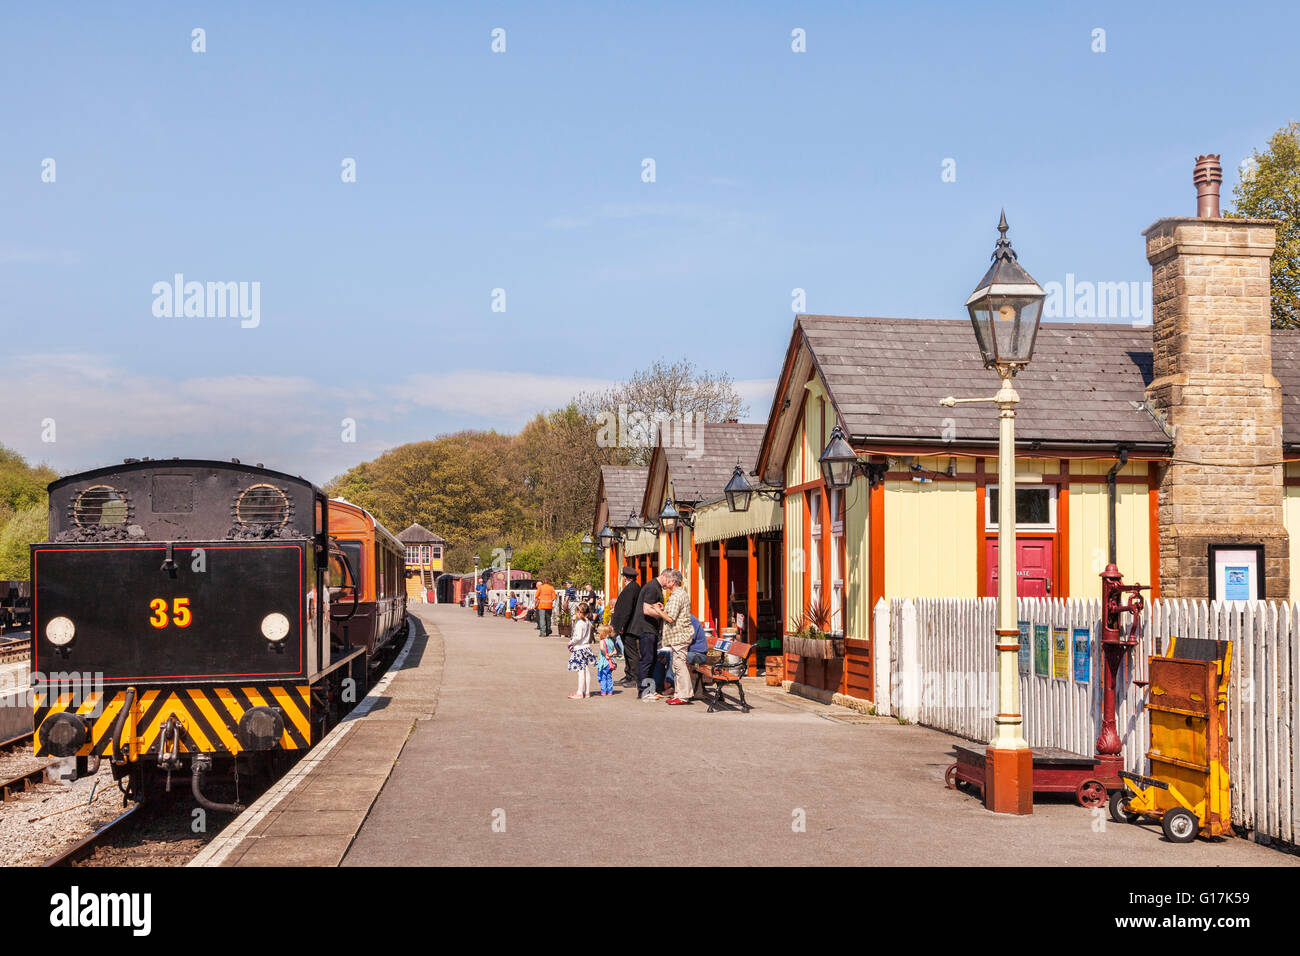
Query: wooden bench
[721,673]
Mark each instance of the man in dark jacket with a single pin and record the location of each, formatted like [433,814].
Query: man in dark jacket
[621,621]
[647,624]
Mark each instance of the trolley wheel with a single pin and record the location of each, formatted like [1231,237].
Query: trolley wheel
[1091,794]
[1180,825]
[1117,811]
[950,778]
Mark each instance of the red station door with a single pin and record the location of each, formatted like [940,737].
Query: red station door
[1033,567]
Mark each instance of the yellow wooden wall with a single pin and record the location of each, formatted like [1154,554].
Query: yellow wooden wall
[1291,518]
[930,538]
[1089,528]
[795,560]
[857,557]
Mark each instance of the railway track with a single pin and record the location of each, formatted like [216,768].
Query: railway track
[21,782]
[15,742]
[15,650]
[84,848]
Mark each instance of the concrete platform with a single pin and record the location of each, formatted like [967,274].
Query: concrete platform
[512,773]
[311,815]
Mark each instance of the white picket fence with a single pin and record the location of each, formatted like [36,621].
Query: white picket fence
[936,666]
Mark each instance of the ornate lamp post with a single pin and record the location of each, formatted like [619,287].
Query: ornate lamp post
[476,577]
[509,556]
[1005,309]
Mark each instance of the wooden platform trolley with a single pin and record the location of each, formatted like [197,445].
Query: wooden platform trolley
[1188,787]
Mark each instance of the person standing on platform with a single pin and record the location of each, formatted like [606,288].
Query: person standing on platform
[678,634]
[647,624]
[621,621]
[545,604]
[480,598]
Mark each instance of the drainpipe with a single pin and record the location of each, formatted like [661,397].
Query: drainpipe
[1110,491]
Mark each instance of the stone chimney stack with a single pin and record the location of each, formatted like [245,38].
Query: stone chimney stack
[1214,388]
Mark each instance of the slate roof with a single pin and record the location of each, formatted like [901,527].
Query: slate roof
[419,534]
[720,446]
[624,488]
[1086,383]
[1286,368]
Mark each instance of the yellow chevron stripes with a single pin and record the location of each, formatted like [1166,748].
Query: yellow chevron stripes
[209,717]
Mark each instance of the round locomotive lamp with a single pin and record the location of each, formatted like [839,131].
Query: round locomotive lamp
[587,543]
[839,461]
[738,491]
[62,734]
[1006,308]
[59,631]
[275,626]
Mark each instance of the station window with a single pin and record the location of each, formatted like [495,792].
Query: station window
[1035,507]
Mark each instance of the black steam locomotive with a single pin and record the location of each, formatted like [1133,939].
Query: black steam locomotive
[182,612]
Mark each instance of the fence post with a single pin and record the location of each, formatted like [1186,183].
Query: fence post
[910,665]
[880,662]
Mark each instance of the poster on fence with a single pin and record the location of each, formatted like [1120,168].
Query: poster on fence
[1042,651]
[1061,653]
[1023,656]
[1082,654]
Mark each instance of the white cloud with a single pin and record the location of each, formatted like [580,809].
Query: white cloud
[104,412]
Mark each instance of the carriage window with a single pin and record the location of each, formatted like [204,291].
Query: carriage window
[353,550]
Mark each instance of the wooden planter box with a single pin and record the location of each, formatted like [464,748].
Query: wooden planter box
[814,648]
[564,630]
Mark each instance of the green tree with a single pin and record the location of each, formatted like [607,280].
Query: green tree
[460,486]
[27,526]
[21,485]
[1270,189]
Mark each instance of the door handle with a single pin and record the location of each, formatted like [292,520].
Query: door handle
[1049,585]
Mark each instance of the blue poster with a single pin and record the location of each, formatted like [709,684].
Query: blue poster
[1082,654]
[1236,583]
[1023,656]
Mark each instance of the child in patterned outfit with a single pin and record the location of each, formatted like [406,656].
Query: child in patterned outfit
[605,649]
[580,653]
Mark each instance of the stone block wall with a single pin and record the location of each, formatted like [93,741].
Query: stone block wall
[1214,388]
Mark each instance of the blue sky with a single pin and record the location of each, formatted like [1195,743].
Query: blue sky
[522,171]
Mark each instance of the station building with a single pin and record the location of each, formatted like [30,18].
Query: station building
[1163,447]
[424,552]
[1191,424]
[618,501]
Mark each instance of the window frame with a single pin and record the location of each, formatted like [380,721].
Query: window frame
[990,515]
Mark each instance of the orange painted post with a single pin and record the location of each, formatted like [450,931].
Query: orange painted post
[751,599]
[1153,524]
[1062,570]
[722,584]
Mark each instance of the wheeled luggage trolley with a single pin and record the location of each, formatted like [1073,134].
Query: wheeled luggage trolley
[1188,703]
